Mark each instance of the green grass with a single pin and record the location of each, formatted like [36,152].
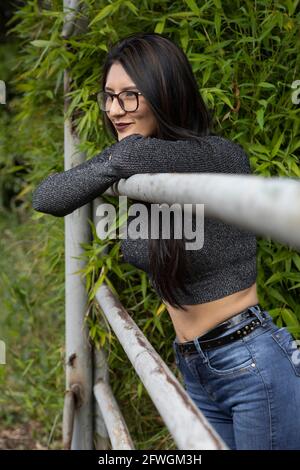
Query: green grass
[32,326]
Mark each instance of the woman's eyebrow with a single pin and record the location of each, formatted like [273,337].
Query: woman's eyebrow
[123,89]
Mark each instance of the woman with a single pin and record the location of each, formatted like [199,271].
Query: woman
[237,365]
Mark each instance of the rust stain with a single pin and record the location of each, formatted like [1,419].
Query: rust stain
[77,390]
[71,360]
[121,310]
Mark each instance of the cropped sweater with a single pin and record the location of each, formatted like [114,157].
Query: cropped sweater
[225,264]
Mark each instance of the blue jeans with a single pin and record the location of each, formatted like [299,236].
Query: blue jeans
[249,390]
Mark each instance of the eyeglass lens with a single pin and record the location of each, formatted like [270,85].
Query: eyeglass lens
[127,99]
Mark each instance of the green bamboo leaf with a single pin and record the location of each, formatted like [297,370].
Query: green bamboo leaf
[289,317]
[106,11]
[184,34]
[109,263]
[140,390]
[103,337]
[112,287]
[14,169]
[277,146]
[280,257]
[41,43]
[193,6]
[206,75]
[288,263]
[260,117]
[226,100]
[180,14]
[160,26]
[144,284]
[296,260]
[274,278]
[264,103]
[98,283]
[132,7]
[296,286]
[277,295]
[266,85]
[295,168]
[291,276]
[217,21]
[261,168]
[280,165]
[260,148]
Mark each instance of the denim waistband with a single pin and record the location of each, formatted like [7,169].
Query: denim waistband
[233,323]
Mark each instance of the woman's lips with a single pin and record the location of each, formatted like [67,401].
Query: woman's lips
[122,127]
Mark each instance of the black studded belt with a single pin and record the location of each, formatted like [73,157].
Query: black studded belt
[211,340]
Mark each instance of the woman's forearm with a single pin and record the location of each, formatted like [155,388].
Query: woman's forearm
[61,193]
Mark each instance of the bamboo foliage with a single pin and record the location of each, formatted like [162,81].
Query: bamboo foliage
[245,58]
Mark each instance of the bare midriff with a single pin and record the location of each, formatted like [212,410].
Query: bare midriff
[200,318]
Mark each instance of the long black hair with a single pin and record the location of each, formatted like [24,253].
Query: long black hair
[161,71]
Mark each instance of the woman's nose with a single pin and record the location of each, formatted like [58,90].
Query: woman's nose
[115,107]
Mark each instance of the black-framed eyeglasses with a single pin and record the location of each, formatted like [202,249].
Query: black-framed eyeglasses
[128,100]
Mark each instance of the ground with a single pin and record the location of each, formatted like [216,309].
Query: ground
[22,437]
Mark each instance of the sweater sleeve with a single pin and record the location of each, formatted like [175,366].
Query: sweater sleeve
[209,154]
[61,193]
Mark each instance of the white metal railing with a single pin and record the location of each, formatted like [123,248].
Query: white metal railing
[186,423]
[78,409]
[265,206]
[78,350]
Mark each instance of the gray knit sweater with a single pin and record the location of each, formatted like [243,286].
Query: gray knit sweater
[227,261]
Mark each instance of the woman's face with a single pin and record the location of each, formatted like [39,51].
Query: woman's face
[142,121]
